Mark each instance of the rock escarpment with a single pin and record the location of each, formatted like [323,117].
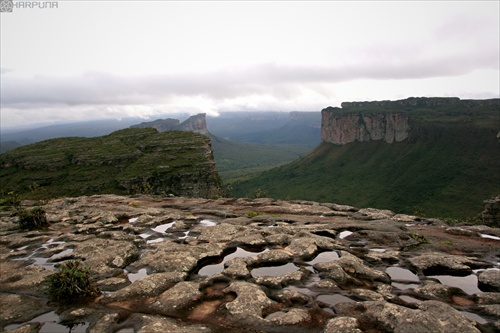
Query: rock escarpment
[395,121]
[363,126]
[127,161]
[239,265]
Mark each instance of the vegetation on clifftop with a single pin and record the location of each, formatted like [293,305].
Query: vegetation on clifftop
[123,162]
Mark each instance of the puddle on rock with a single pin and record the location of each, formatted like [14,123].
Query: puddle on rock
[136,276]
[126,330]
[324,257]
[50,324]
[274,270]
[333,299]
[401,274]
[404,286]
[377,249]
[344,234]
[466,283]
[489,236]
[207,223]
[163,227]
[50,262]
[475,317]
[133,219]
[409,299]
[218,267]
[156,240]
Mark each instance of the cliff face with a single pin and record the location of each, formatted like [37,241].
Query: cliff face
[196,124]
[415,118]
[341,128]
[126,161]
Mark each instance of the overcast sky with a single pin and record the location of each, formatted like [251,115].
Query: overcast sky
[114,59]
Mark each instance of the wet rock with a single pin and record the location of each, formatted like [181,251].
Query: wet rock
[342,324]
[488,298]
[373,214]
[249,306]
[112,284]
[492,310]
[159,324]
[432,316]
[274,257]
[20,308]
[390,257]
[105,257]
[367,295]
[147,286]
[27,328]
[355,267]
[220,233]
[282,280]
[443,264]
[461,231]
[176,299]
[292,317]
[173,257]
[29,280]
[437,290]
[237,268]
[105,324]
[333,271]
[291,297]
[489,280]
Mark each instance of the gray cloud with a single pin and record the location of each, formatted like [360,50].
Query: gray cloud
[282,80]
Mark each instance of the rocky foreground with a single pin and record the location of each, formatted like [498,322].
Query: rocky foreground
[243,265]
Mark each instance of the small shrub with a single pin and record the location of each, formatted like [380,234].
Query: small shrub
[33,219]
[9,201]
[419,238]
[71,283]
[253,214]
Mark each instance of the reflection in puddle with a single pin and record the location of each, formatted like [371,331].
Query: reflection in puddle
[466,283]
[186,233]
[163,227]
[333,299]
[275,315]
[274,270]
[378,249]
[490,236]
[401,274]
[324,257]
[474,317]
[156,240]
[344,234]
[126,330]
[50,325]
[145,235]
[133,219]
[409,299]
[48,263]
[207,223]
[404,286]
[136,276]
[210,270]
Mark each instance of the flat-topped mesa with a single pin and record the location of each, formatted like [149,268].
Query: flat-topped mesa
[196,124]
[411,118]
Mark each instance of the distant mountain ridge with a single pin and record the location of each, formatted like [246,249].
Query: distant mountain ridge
[437,156]
[196,124]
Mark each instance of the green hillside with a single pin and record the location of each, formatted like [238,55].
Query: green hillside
[123,162]
[237,160]
[444,169]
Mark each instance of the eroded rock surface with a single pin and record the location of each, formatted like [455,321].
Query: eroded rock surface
[234,265]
